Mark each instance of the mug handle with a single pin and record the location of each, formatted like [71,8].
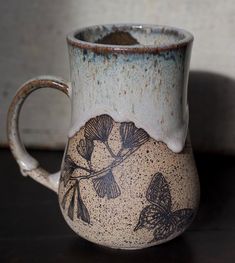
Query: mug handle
[28,165]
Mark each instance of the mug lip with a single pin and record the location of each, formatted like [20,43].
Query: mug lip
[139,49]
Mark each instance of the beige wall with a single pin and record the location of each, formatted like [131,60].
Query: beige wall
[33,42]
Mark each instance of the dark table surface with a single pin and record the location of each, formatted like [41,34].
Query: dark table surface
[32,228]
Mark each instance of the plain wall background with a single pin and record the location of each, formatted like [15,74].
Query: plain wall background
[33,43]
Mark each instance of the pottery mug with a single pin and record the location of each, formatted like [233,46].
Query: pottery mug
[128,178]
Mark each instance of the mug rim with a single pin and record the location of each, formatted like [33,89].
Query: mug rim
[110,48]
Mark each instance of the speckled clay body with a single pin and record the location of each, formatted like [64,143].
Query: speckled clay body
[128,177]
[107,210]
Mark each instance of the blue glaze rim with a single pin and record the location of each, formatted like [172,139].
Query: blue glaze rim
[187,38]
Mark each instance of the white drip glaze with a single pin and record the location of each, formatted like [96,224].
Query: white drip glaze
[149,92]
[175,142]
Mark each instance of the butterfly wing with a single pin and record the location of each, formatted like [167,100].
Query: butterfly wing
[158,192]
[183,218]
[149,218]
[163,230]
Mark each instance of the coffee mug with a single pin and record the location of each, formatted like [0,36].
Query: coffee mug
[128,178]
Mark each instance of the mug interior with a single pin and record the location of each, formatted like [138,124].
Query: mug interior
[132,35]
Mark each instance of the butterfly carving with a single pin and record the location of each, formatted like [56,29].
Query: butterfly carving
[159,215]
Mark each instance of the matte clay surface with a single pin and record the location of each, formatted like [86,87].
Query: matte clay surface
[32,228]
[112,204]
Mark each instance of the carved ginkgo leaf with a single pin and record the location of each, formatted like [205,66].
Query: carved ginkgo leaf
[99,128]
[68,169]
[106,186]
[65,197]
[132,136]
[82,211]
[85,148]
[71,206]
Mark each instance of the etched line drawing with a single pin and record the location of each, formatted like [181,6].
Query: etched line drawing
[158,216]
[104,183]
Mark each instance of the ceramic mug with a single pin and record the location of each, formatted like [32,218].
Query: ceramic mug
[128,178]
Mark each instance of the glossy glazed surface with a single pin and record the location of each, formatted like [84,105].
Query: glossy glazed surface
[146,84]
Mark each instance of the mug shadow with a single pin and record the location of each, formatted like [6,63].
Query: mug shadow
[212,114]
[216,181]
[211,99]
[175,250]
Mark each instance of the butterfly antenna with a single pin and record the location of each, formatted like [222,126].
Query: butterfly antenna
[138,226]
